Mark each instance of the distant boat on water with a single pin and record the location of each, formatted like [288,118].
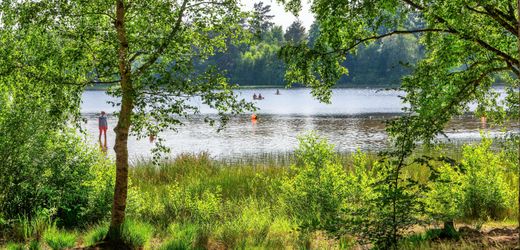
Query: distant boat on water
[259,97]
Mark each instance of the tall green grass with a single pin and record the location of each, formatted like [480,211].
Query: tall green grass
[235,202]
[195,201]
[95,235]
[57,239]
[137,234]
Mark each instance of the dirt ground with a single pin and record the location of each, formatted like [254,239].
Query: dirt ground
[492,238]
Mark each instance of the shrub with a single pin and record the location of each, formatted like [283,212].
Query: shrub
[136,234]
[46,163]
[68,178]
[393,207]
[360,180]
[445,198]
[478,188]
[486,191]
[100,190]
[57,239]
[26,229]
[315,190]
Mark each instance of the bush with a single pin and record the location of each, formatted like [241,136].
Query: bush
[26,229]
[46,164]
[478,188]
[315,190]
[71,178]
[100,190]
[391,209]
[360,180]
[136,234]
[444,199]
[57,239]
[486,190]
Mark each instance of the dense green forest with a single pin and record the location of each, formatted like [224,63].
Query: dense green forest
[383,63]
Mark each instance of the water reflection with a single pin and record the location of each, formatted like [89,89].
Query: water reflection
[355,119]
[276,133]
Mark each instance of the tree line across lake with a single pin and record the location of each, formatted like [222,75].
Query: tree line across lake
[257,63]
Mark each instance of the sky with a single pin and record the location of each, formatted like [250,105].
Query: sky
[281,17]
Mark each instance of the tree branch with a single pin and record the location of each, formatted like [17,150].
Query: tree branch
[138,53]
[511,12]
[463,93]
[105,82]
[495,14]
[395,32]
[95,13]
[504,15]
[490,13]
[207,2]
[466,36]
[165,42]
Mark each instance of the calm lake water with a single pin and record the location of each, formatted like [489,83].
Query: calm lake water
[354,119]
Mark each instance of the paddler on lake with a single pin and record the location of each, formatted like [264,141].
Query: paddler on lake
[254,96]
[277,92]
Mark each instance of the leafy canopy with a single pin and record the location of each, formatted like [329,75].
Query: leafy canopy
[468,45]
[74,43]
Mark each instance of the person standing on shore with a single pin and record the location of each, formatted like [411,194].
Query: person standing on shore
[103,126]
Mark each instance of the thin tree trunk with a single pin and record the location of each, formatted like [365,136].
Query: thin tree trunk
[121,130]
[518,28]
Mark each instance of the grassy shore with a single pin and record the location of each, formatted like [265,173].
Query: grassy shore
[196,202]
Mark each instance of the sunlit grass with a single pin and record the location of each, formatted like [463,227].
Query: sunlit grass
[58,239]
[243,185]
[194,201]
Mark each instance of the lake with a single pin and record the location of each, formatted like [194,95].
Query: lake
[355,119]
